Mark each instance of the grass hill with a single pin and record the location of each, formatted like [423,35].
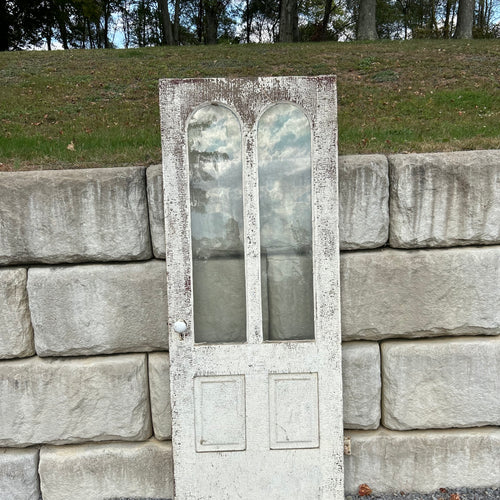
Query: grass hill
[89,108]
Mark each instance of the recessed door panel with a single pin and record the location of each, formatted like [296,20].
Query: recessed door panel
[220,413]
[293,410]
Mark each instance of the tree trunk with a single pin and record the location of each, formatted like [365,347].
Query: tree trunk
[211,22]
[367,22]
[166,25]
[446,28]
[61,23]
[48,37]
[177,15]
[465,19]
[326,20]
[248,21]
[432,22]
[289,21]
[4,26]
[199,22]
[107,15]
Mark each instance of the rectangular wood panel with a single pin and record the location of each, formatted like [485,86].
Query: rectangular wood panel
[293,411]
[220,413]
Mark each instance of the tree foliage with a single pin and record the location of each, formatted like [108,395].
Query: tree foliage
[138,23]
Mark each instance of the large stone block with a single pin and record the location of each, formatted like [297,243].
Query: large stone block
[361,384]
[19,474]
[70,401]
[420,293]
[445,199]
[422,461]
[159,389]
[154,177]
[16,333]
[441,383]
[107,471]
[99,308]
[74,216]
[363,211]
[363,201]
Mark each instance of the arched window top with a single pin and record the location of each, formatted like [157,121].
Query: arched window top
[215,127]
[284,131]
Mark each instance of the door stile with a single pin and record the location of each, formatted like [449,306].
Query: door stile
[252,234]
[326,275]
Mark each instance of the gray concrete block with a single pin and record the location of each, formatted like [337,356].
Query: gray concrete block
[363,201]
[74,216]
[16,333]
[70,401]
[422,461]
[361,383]
[19,474]
[420,293]
[99,308]
[154,177]
[105,471]
[159,390]
[441,383]
[445,199]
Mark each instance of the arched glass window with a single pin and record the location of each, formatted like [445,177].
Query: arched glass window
[284,159]
[215,169]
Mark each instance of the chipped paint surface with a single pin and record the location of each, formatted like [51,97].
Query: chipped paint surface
[238,376]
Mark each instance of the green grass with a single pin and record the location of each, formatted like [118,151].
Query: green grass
[414,96]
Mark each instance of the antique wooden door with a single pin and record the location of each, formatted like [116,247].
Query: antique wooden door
[250,187]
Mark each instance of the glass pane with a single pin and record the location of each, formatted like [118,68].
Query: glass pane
[284,153]
[215,166]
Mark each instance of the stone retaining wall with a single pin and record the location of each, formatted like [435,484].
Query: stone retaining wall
[84,370]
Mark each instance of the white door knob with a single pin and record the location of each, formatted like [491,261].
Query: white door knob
[180,326]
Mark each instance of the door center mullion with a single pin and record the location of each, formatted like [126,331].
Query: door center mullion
[252,235]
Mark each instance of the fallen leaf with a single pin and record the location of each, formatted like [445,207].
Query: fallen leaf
[70,146]
[364,490]
[454,496]
[443,490]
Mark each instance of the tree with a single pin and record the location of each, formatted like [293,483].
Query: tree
[448,18]
[367,21]
[4,26]
[166,24]
[326,20]
[289,21]
[261,19]
[213,12]
[465,19]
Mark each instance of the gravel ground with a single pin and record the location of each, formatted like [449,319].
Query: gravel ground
[441,494]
